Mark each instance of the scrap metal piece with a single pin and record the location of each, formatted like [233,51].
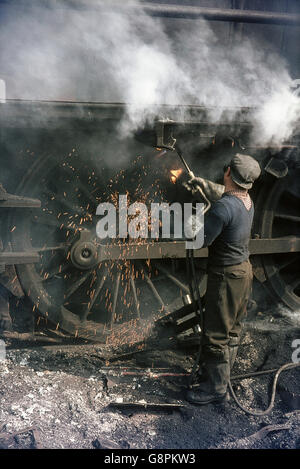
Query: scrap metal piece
[146,406]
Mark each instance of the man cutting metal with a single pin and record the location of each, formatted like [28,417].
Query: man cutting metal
[227,231]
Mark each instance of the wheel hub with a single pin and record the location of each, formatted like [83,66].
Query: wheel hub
[84,253]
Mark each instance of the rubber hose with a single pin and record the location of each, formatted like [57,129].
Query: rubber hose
[287,366]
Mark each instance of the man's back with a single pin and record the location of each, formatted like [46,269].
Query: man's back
[227,230]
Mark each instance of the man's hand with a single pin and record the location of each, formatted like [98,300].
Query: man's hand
[199,186]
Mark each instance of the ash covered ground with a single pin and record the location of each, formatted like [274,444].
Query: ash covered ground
[73,396]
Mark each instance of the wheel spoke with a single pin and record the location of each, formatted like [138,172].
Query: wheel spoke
[115,298]
[136,301]
[55,271]
[154,291]
[288,263]
[173,279]
[60,247]
[43,219]
[99,285]
[284,216]
[76,285]
[66,202]
[86,193]
[295,283]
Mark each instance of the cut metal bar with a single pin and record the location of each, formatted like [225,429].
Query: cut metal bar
[190,323]
[146,405]
[175,315]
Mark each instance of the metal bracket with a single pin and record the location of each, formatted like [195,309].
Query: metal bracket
[160,135]
[276,167]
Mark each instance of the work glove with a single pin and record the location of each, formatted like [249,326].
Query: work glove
[199,186]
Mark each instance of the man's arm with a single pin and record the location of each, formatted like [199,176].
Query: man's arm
[214,222]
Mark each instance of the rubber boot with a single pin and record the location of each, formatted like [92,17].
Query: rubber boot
[5,319]
[214,388]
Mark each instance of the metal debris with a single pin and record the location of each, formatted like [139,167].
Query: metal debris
[146,406]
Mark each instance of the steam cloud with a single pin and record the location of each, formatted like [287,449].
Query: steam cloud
[108,56]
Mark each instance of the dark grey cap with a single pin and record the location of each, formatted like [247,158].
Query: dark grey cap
[244,170]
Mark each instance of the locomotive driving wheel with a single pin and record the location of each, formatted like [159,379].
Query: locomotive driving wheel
[278,208]
[70,287]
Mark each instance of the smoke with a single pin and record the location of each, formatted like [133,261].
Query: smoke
[107,56]
[277,116]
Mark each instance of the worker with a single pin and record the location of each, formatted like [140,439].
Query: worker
[227,230]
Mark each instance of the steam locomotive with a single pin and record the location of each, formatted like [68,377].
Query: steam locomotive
[60,159]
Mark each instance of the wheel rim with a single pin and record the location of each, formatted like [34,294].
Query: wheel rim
[86,298]
[280,217]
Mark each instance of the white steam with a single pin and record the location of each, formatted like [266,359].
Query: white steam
[112,57]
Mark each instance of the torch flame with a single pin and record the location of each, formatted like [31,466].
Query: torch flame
[175,174]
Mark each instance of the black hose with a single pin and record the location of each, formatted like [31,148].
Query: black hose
[287,366]
[196,301]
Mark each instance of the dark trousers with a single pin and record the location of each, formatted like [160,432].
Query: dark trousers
[226,298]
